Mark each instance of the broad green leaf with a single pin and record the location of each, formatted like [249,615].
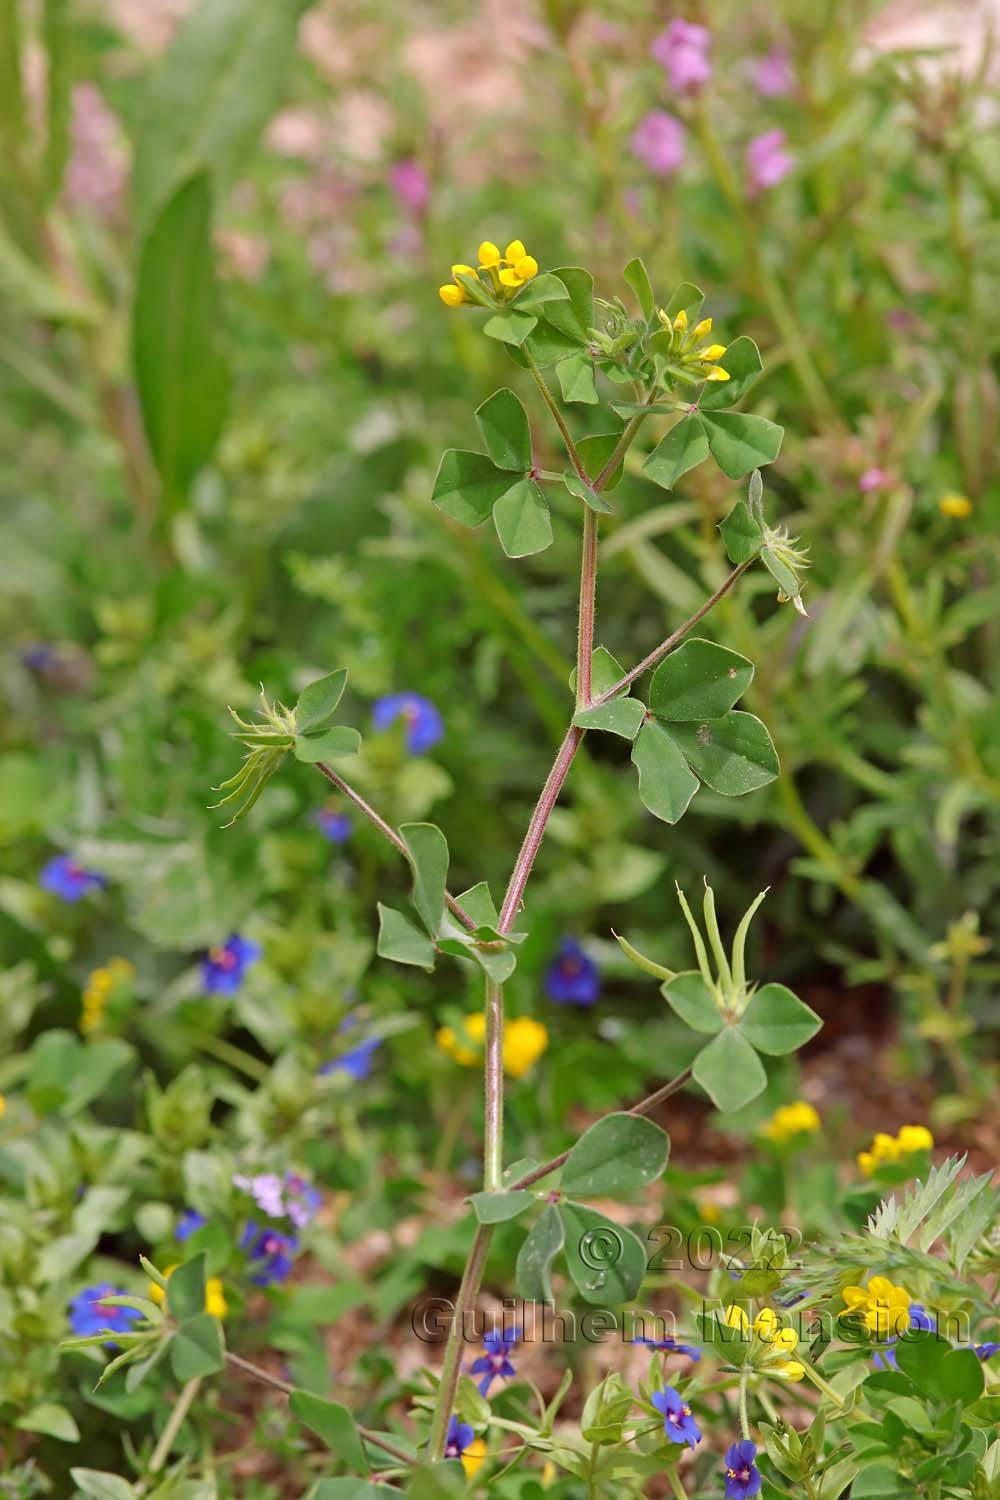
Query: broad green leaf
[567,325]
[729,1070]
[522,520]
[616,1155]
[186,1289]
[733,755]
[741,535]
[622,716]
[445,1481]
[97,1485]
[480,905]
[686,298]
[666,785]
[503,423]
[584,492]
[54,1421]
[211,94]
[637,277]
[684,447]
[334,1424]
[576,379]
[782,574]
[318,702]
[938,1371]
[595,451]
[510,327]
[348,1488]
[777,1022]
[606,1261]
[197,1347]
[533,1275]
[399,940]
[181,374]
[466,486]
[428,851]
[541,291]
[743,362]
[699,681]
[740,441]
[605,671]
[497,1208]
[690,998]
[329,744]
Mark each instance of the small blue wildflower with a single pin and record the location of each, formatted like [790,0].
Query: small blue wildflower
[885,1357]
[63,877]
[458,1438]
[495,1364]
[302,1201]
[670,1345]
[743,1478]
[88,1314]
[270,1254]
[336,826]
[188,1224]
[40,656]
[678,1423]
[357,1063]
[572,978]
[222,969]
[987,1350]
[424,726]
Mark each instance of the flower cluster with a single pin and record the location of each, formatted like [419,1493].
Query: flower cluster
[524,1042]
[572,978]
[215,1295]
[911,1140]
[101,985]
[883,1307]
[776,1341]
[696,360]
[223,968]
[504,274]
[683,49]
[63,877]
[791,1121]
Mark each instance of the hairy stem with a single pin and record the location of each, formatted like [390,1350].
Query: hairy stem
[451,1366]
[744,1417]
[493,1088]
[557,417]
[536,828]
[585,618]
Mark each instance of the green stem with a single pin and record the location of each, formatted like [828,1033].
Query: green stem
[493,1088]
[821,1385]
[557,417]
[451,1365]
[674,1480]
[174,1424]
[585,618]
[744,1418]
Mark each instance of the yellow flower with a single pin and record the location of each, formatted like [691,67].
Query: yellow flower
[700,329]
[524,1042]
[913,1138]
[711,351]
[790,1370]
[681,321]
[791,1120]
[548,1474]
[3,1106]
[473,1457]
[736,1318]
[884,1306]
[100,986]
[957,506]
[519,267]
[488,255]
[718,373]
[709,1212]
[215,1295]
[464,1047]
[452,296]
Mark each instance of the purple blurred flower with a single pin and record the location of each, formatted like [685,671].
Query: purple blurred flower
[302,1201]
[336,826]
[88,1314]
[743,1478]
[288,1197]
[572,978]
[188,1224]
[658,142]
[222,969]
[772,74]
[424,727]
[97,170]
[458,1438]
[271,1254]
[987,1350]
[678,1423]
[357,1063]
[683,51]
[670,1345]
[767,160]
[410,184]
[63,877]
[495,1363]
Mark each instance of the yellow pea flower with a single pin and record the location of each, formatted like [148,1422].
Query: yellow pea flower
[791,1120]
[488,255]
[99,988]
[515,251]
[524,1042]
[215,1296]
[736,1318]
[768,1326]
[452,296]
[884,1306]
[957,507]
[3,1106]
[472,1458]
[464,1047]
[700,329]
[718,373]
[913,1138]
[519,270]
[790,1370]
[681,321]
[712,351]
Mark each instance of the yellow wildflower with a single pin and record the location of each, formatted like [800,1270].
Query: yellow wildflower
[883,1306]
[488,255]
[681,321]
[465,1046]
[98,991]
[736,1318]
[452,296]
[889,1148]
[711,351]
[957,506]
[783,1340]
[3,1106]
[473,1456]
[701,329]
[913,1138]
[519,266]
[215,1295]
[524,1042]
[791,1369]
[709,1212]
[718,373]
[791,1120]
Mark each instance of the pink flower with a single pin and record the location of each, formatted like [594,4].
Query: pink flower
[658,141]
[683,51]
[411,184]
[98,166]
[767,160]
[874,479]
[772,74]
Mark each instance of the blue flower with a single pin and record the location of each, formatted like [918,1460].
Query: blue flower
[987,1350]
[357,1063]
[572,978]
[885,1358]
[495,1364]
[271,1254]
[302,1201]
[88,1315]
[68,880]
[670,1345]
[458,1438]
[743,1478]
[424,726]
[678,1423]
[188,1224]
[222,969]
[335,825]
